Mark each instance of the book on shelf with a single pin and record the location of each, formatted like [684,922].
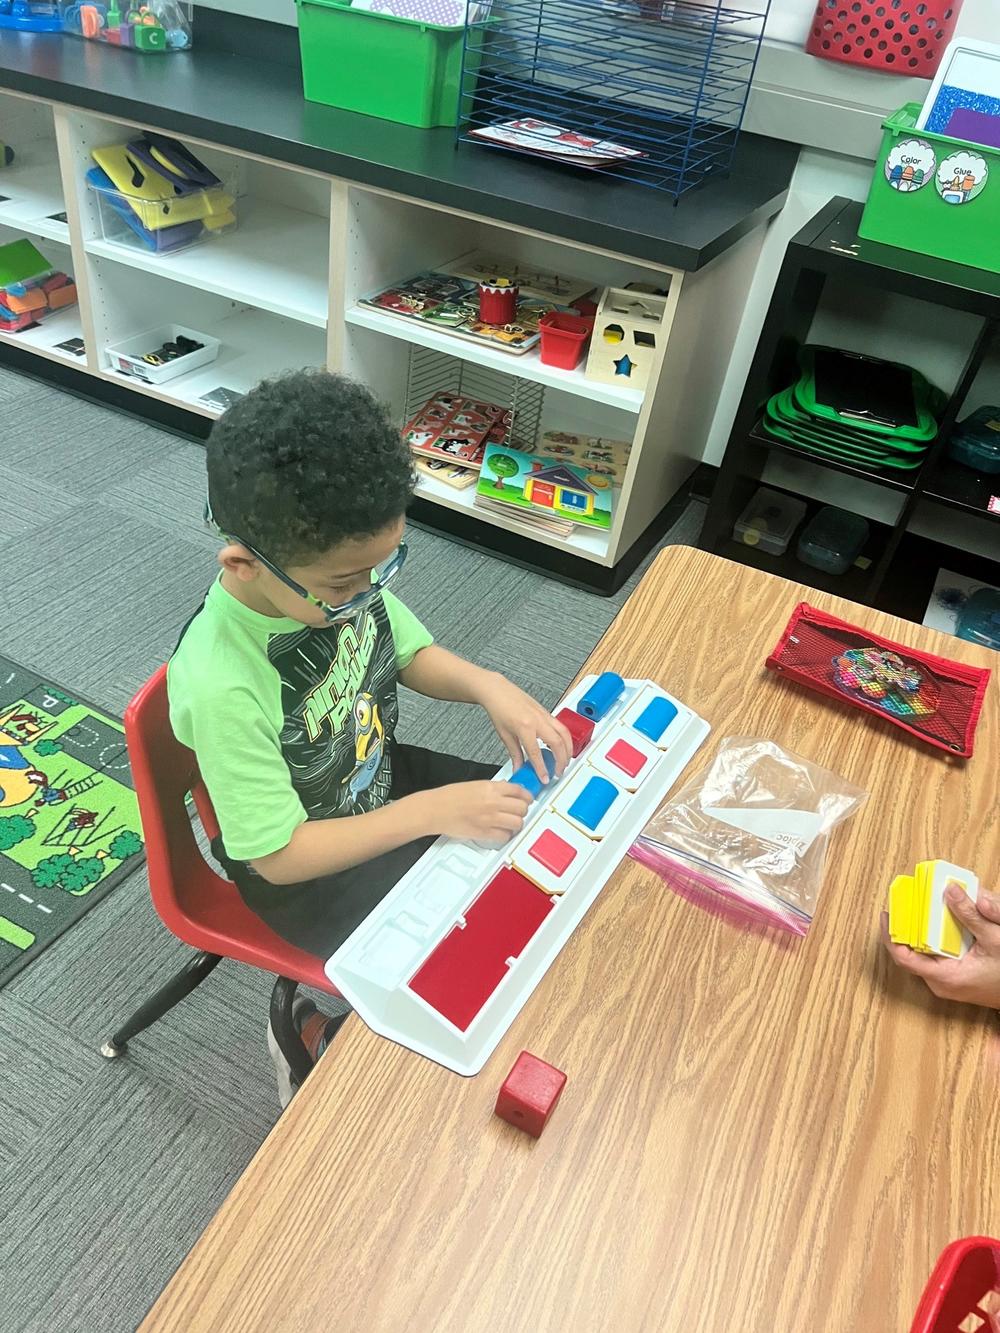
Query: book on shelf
[461,478]
[543,489]
[455,429]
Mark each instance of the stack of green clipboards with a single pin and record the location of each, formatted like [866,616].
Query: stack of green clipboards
[856,409]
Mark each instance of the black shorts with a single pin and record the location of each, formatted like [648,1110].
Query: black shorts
[319,914]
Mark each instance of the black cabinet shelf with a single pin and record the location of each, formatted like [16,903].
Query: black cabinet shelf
[902,481]
[959,487]
[900,575]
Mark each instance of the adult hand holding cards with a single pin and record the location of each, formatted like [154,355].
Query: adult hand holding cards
[918,916]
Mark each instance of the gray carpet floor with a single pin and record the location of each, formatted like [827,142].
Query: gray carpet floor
[110,1171]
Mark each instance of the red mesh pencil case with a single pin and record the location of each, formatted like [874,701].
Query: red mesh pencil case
[931,697]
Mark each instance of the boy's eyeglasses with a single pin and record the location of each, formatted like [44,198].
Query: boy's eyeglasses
[381,574]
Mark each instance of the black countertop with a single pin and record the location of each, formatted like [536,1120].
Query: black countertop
[244,102]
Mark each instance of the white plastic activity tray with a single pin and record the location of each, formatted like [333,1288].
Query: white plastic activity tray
[474,930]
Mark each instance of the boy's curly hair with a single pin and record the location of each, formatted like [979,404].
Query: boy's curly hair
[304,462]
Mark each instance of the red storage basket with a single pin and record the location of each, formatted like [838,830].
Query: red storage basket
[963,1292]
[564,337]
[897,36]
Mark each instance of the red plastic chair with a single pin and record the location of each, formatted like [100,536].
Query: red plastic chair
[196,904]
[963,1292]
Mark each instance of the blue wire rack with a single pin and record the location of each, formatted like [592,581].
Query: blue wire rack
[668,79]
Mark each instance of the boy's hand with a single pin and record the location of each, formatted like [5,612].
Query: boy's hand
[521,722]
[479,811]
[974,979]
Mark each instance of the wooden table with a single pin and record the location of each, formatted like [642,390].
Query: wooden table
[779,1133]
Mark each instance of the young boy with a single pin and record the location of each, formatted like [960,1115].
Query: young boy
[284,683]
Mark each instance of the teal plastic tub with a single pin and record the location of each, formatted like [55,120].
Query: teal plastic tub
[393,68]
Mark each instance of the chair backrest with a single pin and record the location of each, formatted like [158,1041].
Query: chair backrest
[164,772]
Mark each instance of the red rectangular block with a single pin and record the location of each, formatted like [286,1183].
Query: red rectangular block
[529,1093]
[580,729]
[553,852]
[627,758]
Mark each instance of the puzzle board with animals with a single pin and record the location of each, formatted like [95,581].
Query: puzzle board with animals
[449,957]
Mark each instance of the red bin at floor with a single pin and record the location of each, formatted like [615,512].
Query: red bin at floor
[963,1292]
[895,36]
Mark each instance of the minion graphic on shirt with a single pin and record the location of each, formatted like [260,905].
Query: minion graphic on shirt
[369,744]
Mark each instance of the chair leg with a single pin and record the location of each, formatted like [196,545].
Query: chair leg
[157,1005]
[286,1035]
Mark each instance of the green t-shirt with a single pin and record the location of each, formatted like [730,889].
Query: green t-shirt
[289,723]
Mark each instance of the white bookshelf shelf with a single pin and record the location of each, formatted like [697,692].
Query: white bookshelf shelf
[585,542]
[528,366]
[276,260]
[255,345]
[33,186]
[43,337]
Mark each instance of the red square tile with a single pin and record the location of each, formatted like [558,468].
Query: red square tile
[552,852]
[627,758]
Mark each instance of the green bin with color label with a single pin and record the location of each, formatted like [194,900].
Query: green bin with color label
[934,194]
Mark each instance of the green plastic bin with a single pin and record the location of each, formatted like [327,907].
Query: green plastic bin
[397,69]
[934,194]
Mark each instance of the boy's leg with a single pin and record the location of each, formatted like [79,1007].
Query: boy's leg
[318,915]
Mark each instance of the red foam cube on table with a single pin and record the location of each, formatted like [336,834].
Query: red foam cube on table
[579,727]
[529,1093]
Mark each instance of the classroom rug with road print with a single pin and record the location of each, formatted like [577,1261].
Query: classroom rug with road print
[69,821]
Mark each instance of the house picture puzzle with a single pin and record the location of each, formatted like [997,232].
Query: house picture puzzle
[545,485]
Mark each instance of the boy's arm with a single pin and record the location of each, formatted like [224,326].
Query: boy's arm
[481,811]
[521,722]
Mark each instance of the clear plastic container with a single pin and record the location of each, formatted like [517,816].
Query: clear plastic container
[153,194]
[769,521]
[30,288]
[128,356]
[979,618]
[833,540]
[152,27]
[975,441]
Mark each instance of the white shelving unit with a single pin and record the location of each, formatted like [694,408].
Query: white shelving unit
[276,260]
[282,290]
[526,366]
[31,188]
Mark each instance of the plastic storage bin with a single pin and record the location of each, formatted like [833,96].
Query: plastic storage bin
[158,219]
[832,540]
[30,15]
[895,36]
[769,521]
[127,356]
[30,288]
[381,65]
[152,27]
[564,338]
[962,1292]
[934,194]
[979,619]
[975,441]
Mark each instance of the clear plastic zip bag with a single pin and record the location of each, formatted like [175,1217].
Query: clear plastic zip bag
[748,837]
